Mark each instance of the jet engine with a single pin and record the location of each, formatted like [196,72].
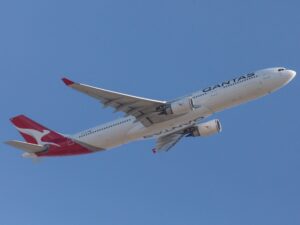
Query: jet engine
[206,129]
[178,107]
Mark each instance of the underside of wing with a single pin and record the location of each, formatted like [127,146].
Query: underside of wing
[143,109]
[165,143]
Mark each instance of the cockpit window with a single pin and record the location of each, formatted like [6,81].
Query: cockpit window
[281,69]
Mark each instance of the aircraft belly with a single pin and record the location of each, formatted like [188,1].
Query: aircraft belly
[111,138]
[164,128]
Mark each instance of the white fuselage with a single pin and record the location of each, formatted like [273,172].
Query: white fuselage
[205,103]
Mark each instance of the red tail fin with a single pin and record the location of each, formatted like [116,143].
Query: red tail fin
[35,133]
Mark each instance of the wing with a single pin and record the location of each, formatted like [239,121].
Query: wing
[143,109]
[165,143]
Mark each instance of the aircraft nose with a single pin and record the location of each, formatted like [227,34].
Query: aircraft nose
[291,74]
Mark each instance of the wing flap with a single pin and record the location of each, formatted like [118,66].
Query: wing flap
[27,147]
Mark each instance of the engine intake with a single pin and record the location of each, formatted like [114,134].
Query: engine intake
[207,129]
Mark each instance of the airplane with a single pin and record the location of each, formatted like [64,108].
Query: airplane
[166,121]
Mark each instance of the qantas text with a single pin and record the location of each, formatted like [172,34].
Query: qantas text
[230,82]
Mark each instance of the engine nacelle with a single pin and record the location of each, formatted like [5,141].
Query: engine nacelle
[207,129]
[179,107]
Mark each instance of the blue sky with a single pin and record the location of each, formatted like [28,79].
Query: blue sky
[160,49]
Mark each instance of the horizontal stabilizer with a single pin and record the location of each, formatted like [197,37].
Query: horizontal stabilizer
[27,147]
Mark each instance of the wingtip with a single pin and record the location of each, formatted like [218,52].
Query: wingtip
[67,81]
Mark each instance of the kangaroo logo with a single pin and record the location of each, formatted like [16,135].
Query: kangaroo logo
[37,135]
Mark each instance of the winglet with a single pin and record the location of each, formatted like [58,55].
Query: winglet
[67,81]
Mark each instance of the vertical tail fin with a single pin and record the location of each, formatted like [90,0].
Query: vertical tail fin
[35,133]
